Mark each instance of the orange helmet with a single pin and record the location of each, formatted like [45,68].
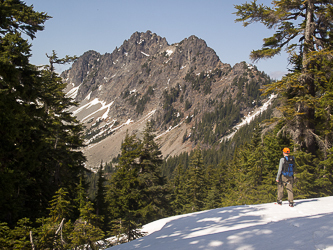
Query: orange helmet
[286,150]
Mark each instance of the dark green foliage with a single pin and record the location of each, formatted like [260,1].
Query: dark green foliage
[170,113]
[136,192]
[145,67]
[188,104]
[307,175]
[171,96]
[86,230]
[171,163]
[17,238]
[303,29]
[40,157]
[253,94]
[227,112]
[214,178]
[140,106]
[196,184]
[325,174]
[60,205]
[225,116]
[123,192]
[39,139]
[99,202]
[177,187]
[151,180]
[201,82]
[55,231]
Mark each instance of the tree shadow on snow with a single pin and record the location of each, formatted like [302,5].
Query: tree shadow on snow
[240,227]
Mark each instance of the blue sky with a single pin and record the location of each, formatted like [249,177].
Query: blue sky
[102,25]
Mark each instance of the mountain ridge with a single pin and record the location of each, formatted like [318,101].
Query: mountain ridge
[174,86]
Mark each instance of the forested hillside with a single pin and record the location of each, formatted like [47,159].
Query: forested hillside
[49,200]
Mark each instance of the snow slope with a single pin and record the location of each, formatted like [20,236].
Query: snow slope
[308,225]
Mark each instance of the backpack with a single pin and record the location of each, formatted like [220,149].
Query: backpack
[288,166]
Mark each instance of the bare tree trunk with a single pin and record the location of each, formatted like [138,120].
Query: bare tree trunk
[56,233]
[327,136]
[305,125]
[308,42]
[32,242]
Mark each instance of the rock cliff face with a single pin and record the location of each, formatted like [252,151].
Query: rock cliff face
[148,79]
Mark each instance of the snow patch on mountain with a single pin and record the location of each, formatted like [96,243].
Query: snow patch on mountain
[248,118]
[168,130]
[169,52]
[104,106]
[145,118]
[73,92]
[88,96]
[144,53]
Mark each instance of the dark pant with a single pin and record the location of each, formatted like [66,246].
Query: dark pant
[288,183]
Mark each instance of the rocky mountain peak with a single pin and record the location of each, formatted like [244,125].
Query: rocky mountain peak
[148,79]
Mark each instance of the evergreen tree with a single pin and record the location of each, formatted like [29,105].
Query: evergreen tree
[151,182]
[196,188]
[80,196]
[18,237]
[254,164]
[178,193]
[308,22]
[123,193]
[100,203]
[326,175]
[19,112]
[213,177]
[39,139]
[304,185]
[304,29]
[60,206]
[86,230]
[136,192]
[50,233]
[233,174]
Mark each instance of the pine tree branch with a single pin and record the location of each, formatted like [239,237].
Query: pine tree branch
[320,141]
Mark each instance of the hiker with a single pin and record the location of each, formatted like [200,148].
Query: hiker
[285,177]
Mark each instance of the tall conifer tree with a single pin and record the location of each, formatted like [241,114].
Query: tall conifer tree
[39,139]
[196,187]
[136,193]
[152,183]
[123,193]
[100,203]
[302,28]
[177,187]
[19,112]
